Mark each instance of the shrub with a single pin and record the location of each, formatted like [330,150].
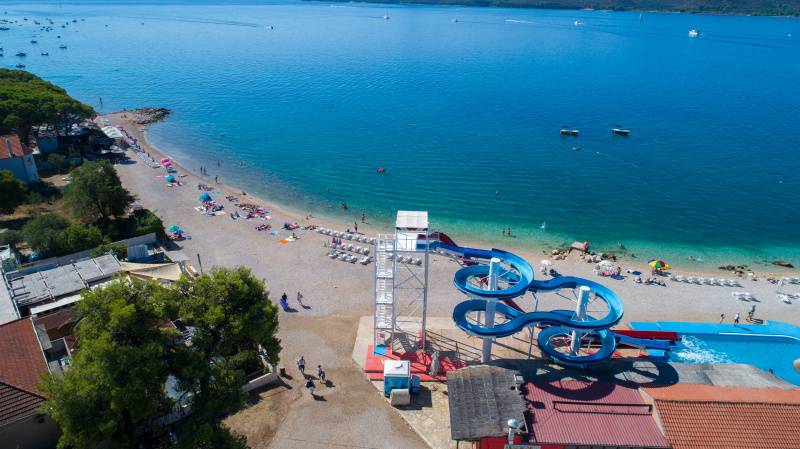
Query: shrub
[120,250]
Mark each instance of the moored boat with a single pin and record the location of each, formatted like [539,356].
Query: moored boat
[570,132]
[694,32]
[620,131]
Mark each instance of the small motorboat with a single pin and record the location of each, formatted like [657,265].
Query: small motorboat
[386,17]
[380,170]
[62,46]
[20,66]
[34,42]
[45,54]
[620,132]
[694,32]
[577,23]
[22,54]
[570,132]
[4,28]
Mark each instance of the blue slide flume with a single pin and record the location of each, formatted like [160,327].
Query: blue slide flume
[518,278]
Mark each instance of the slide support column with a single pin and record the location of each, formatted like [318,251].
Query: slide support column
[580,314]
[491,304]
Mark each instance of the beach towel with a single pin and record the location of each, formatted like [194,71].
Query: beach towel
[283,242]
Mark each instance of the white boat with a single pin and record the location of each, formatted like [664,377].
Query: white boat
[620,131]
[577,23]
[694,32]
[570,132]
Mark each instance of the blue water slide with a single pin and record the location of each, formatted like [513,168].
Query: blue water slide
[520,279]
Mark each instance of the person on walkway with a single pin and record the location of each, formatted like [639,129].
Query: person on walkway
[721,318]
[321,374]
[751,315]
[300,299]
[736,318]
[301,365]
[310,386]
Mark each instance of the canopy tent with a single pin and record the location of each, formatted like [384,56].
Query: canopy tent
[170,178]
[164,160]
[167,164]
[174,228]
[205,197]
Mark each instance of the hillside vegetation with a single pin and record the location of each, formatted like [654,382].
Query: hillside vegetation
[732,7]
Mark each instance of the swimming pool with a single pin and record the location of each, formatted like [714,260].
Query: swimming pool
[773,346]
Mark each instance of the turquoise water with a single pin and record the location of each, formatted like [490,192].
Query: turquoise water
[765,352]
[464,115]
[773,345]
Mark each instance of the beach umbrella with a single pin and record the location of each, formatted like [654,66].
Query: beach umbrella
[658,264]
[173,228]
[205,197]
[606,263]
[170,178]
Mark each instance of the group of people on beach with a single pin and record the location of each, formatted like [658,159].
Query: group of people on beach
[321,376]
[751,316]
[284,301]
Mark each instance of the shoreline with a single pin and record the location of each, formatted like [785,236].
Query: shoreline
[529,250]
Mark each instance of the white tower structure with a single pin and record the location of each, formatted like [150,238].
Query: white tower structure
[401,283]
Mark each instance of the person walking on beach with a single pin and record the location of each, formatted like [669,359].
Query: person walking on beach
[509,232]
[355,224]
[310,386]
[736,318]
[321,374]
[216,179]
[721,318]
[752,313]
[300,299]
[301,365]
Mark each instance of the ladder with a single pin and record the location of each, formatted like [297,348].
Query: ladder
[385,313]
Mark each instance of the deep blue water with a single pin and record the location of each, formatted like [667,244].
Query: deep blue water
[464,114]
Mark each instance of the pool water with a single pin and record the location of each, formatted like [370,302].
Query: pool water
[776,352]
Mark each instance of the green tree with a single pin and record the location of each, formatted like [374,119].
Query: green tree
[232,316]
[120,250]
[12,192]
[44,234]
[78,238]
[96,192]
[116,381]
[144,222]
[57,160]
[11,237]
[27,100]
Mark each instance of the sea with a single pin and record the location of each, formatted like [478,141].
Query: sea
[462,107]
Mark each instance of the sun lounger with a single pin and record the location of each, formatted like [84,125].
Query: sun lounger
[366,260]
[342,256]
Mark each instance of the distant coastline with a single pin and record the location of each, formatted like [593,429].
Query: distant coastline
[789,8]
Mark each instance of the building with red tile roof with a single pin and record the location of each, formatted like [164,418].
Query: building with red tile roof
[713,417]
[17,158]
[22,363]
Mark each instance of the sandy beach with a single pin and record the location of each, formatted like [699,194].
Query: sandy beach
[335,294]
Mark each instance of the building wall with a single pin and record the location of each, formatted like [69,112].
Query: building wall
[30,434]
[16,166]
[47,144]
[23,168]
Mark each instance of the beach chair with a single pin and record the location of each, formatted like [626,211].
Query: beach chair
[417,261]
[342,256]
[333,254]
[678,278]
[366,251]
[365,260]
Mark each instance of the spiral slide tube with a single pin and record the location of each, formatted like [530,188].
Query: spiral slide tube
[519,279]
